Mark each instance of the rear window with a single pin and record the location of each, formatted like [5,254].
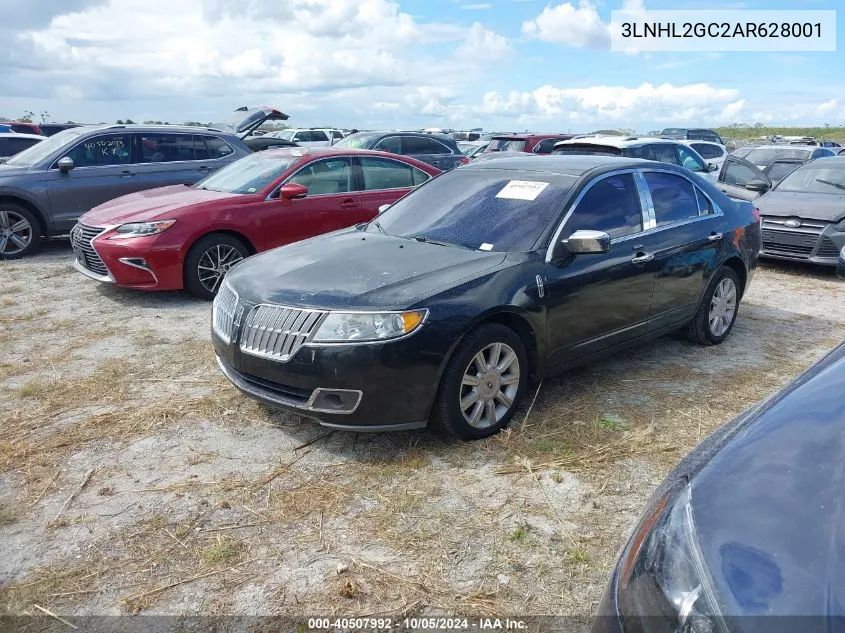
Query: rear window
[479,209]
[506,145]
[765,157]
[355,141]
[587,148]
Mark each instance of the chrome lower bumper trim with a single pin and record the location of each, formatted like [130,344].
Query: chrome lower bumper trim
[135,263]
[409,426]
[106,279]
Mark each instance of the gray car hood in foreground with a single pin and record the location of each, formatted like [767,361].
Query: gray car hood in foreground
[829,207]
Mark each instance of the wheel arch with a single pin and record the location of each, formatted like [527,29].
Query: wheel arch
[29,206]
[230,232]
[735,263]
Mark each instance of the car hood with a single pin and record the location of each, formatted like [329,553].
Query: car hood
[829,207]
[769,507]
[152,204]
[351,269]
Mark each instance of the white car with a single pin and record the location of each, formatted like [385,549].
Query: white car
[660,149]
[709,151]
[311,137]
[13,142]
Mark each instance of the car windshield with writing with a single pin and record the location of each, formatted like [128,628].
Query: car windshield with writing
[488,210]
[44,149]
[823,177]
[248,175]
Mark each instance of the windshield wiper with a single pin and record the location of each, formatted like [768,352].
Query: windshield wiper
[832,184]
[379,227]
[428,240]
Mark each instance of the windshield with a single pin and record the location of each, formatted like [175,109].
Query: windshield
[354,141]
[764,157]
[506,145]
[815,178]
[44,149]
[287,135]
[467,148]
[674,132]
[779,170]
[480,209]
[247,175]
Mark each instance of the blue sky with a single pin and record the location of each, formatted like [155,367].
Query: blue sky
[497,64]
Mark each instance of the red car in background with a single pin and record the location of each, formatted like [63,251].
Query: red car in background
[531,143]
[188,236]
[23,127]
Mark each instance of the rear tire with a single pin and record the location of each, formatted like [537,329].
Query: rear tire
[718,309]
[483,384]
[20,231]
[208,261]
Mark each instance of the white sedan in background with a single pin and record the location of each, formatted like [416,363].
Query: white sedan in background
[709,151]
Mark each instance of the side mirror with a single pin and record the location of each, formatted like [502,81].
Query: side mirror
[292,191]
[757,185]
[383,208]
[587,242]
[65,164]
[712,167]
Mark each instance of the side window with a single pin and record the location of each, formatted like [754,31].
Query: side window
[611,205]
[705,207]
[419,176]
[707,151]
[390,144]
[336,136]
[822,153]
[166,148]
[325,177]
[664,152]
[319,135]
[6,147]
[546,146]
[302,137]
[416,145]
[738,174]
[644,151]
[102,151]
[217,147]
[673,197]
[385,174]
[690,161]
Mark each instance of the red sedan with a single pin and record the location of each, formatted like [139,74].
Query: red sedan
[188,236]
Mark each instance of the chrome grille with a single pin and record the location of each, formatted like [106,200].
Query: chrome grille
[80,239]
[277,332]
[223,312]
[797,242]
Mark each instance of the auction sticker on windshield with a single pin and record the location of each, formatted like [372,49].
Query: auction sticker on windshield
[522,190]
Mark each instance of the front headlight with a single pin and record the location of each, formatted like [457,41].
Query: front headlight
[351,327]
[664,585]
[142,229]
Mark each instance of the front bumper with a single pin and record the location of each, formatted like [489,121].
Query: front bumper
[392,385]
[814,242]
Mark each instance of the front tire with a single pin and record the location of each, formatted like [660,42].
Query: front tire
[718,309]
[20,232]
[483,384]
[208,261]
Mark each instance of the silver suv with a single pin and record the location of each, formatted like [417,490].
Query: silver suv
[44,189]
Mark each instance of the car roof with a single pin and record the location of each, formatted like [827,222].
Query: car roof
[617,141]
[21,135]
[440,137]
[786,146]
[141,127]
[690,141]
[529,135]
[563,165]
[317,152]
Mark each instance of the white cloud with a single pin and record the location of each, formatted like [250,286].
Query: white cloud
[827,106]
[732,110]
[565,23]
[483,43]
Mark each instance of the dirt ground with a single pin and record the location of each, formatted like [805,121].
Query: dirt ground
[135,479]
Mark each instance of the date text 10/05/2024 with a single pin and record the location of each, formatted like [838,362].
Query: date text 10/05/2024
[416,624]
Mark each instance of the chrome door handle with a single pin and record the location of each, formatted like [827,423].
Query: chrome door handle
[641,258]
[714,237]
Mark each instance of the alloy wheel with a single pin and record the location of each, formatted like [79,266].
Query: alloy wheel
[214,263]
[15,233]
[722,307]
[489,385]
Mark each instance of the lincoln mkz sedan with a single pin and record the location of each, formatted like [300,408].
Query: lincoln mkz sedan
[189,236]
[482,280]
[745,535]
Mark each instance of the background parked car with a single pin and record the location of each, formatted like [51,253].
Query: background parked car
[764,155]
[23,127]
[745,533]
[659,149]
[479,282]
[435,149]
[530,143]
[311,137]
[265,141]
[709,151]
[12,143]
[692,134]
[45,188]
[803,215]
[48,129]
[188,237]
[472,148]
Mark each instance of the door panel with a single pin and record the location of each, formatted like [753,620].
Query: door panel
[103,170]
[173,159]
[596,301]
